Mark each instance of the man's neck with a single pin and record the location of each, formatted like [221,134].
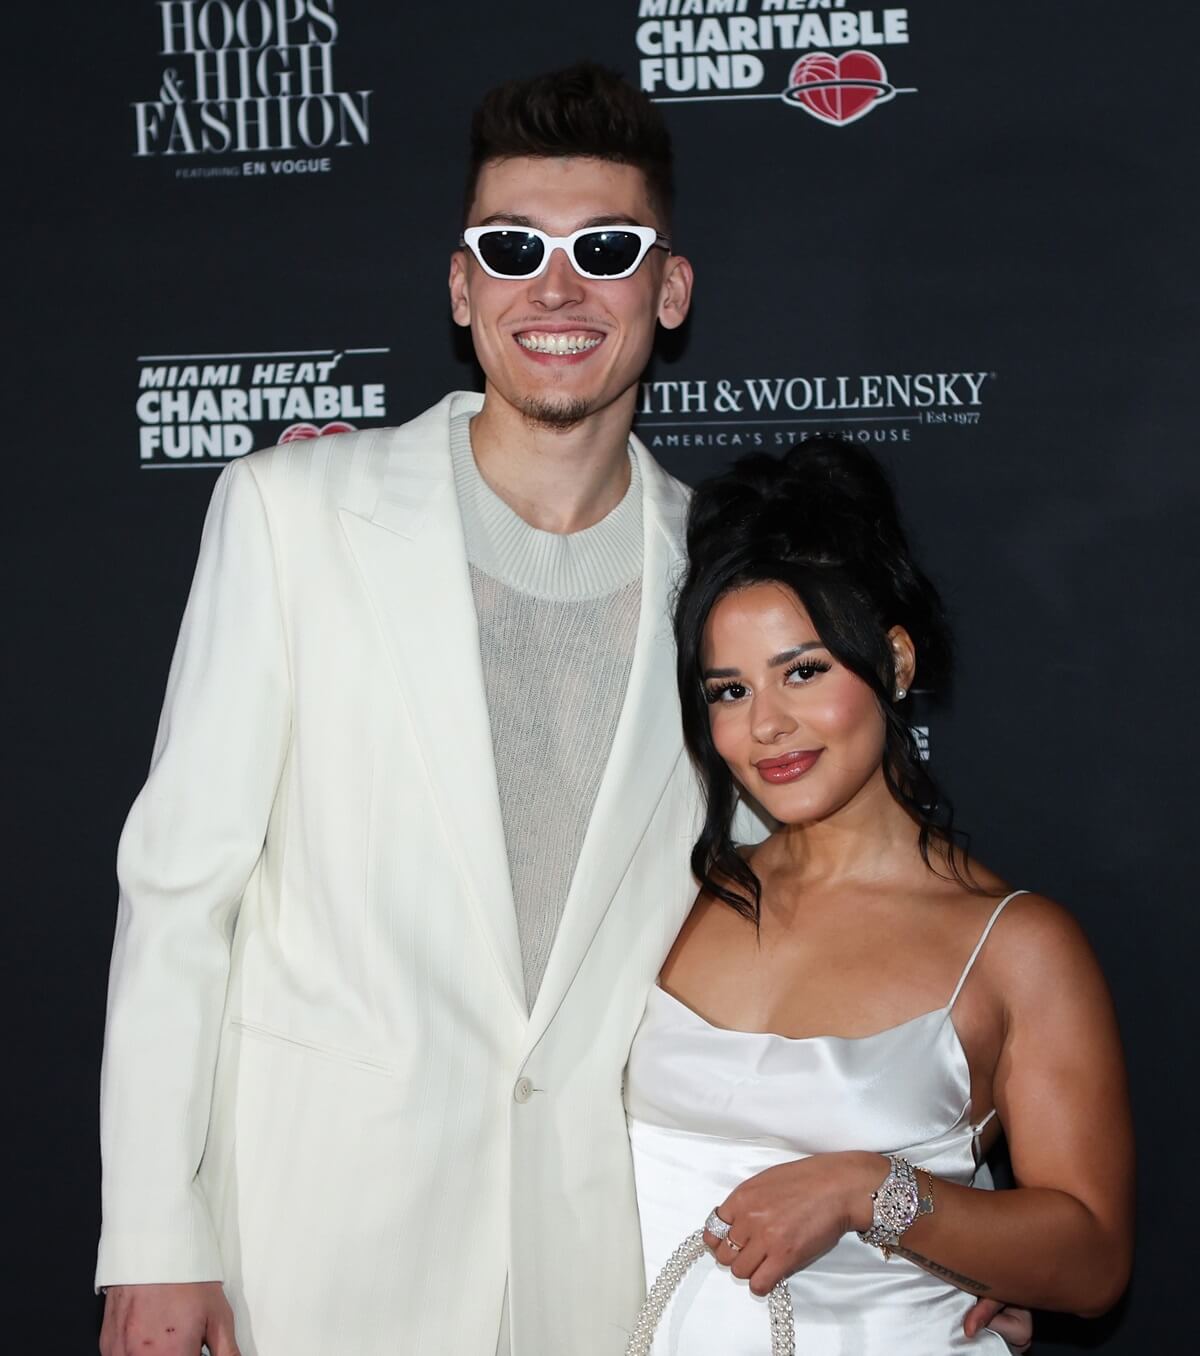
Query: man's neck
[558,480]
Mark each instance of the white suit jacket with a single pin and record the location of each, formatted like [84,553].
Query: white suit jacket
[321,1084]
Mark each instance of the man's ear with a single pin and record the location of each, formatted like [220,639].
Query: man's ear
[675,295]
[460,296]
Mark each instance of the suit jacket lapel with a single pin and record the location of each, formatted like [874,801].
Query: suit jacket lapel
[646,747]
[411,553]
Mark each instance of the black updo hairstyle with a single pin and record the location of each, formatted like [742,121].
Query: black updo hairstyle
[822,521]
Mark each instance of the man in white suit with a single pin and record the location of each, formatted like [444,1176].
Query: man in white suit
[415,836]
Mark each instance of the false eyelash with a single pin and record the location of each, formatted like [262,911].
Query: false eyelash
[713,694]
[808,667]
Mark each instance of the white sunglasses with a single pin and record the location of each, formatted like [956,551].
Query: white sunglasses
[601,252]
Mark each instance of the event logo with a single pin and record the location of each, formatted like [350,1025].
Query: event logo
[774,412]
[840,90]
[249,77]
[201,409]
[299,432]
[704,51]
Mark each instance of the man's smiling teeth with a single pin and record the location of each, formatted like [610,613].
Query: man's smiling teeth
[557,343]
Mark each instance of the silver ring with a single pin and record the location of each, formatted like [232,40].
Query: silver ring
[717,1226]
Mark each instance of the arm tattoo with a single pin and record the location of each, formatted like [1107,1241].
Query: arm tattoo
[954,1277]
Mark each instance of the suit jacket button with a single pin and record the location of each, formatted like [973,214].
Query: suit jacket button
[523,1090]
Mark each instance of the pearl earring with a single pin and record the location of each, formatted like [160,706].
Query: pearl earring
[901,693]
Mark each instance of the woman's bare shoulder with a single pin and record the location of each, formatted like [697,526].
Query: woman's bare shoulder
[710,929]
[1038,945]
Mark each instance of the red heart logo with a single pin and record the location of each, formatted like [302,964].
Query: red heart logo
[841,89]
[296,431]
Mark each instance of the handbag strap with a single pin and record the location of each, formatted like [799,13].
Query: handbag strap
[693,1247]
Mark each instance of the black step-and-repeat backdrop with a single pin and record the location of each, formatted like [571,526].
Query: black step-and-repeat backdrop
[958,233]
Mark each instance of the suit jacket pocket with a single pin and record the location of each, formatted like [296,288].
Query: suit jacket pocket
[257,1031]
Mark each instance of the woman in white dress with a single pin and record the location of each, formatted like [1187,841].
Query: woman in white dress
[855,1009]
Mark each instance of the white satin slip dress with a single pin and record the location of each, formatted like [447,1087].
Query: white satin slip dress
[708,1107]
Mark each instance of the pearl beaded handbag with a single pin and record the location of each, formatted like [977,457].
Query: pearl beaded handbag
[779,1302]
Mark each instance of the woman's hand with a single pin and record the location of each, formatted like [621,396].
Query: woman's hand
[788,1215]
[1013,1324]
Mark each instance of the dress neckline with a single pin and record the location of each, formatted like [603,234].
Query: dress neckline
[941,1012]
[945,1018]
[944,1012]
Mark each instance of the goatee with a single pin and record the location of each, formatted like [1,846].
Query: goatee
[554,414]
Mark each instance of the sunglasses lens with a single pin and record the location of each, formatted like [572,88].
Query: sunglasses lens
[601,254]
[516,254]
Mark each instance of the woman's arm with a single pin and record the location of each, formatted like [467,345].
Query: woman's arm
[1063,1238]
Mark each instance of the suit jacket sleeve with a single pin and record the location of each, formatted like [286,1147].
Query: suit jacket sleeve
[189,846]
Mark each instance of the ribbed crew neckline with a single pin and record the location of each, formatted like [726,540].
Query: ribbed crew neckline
[591,563]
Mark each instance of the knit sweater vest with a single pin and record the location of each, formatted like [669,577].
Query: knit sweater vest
[558,615]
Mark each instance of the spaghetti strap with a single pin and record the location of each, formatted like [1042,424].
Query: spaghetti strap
[996,912]
[978,1129]
[977,1133]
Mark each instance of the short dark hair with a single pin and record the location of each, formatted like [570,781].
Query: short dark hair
[583,110]
[822,521]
